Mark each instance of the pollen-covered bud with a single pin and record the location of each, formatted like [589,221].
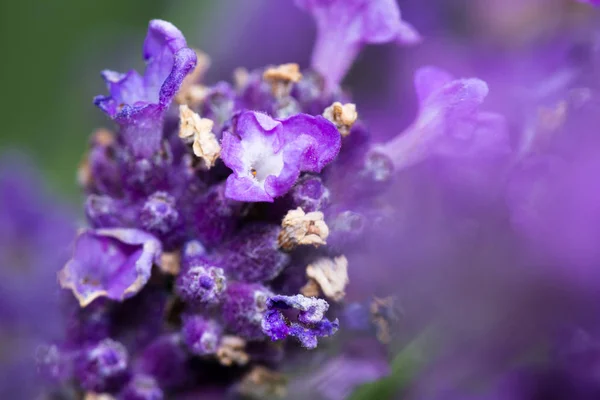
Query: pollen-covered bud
[201,335]
[311,321]
[103,367]
[198,131]
[201,284]
[243,309]
[159,214]
[310,194]
[232,350]
[343,116]
[282,77]
[253,254]
[300,228]
[142,387]
[331,276]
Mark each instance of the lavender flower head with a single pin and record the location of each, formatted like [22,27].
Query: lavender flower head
[274,215]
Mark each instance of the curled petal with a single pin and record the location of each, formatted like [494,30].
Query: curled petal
[112,263]
[137,103]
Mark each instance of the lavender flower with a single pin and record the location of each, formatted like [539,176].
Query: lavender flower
[137,103]
[263,193]
[267,155]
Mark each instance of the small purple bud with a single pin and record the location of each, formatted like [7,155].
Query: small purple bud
[159,215]
[103,367]
[201,335]
[201,284]
[243,309]
[310,194]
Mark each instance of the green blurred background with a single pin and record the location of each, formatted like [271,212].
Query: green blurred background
[52,53]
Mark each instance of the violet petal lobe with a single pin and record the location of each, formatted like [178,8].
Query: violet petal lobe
[137,103]
[112,263]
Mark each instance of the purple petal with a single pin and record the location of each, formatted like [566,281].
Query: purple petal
[429,80]
[113,263]
[344,26]
[324,146]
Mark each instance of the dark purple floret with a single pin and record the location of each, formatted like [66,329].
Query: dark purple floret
[201,284]
[201,335]
[141,387]
[103,367]
[243,309]
[215,216]
[253,254]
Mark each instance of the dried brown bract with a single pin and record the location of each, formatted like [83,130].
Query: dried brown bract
[300,228]
[198,131]
[282,78]
[343,116]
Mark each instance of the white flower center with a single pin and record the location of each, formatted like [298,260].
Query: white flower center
[260,159]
